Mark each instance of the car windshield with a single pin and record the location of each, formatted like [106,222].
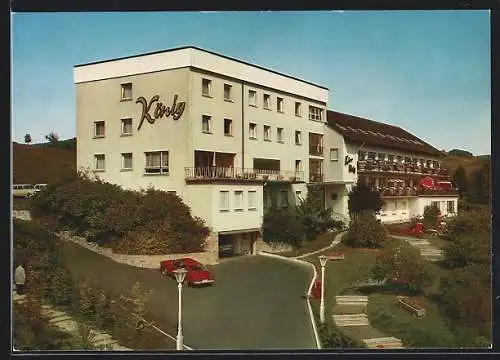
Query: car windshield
[196,267]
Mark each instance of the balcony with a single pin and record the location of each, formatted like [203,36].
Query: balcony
[316,150]
[213,173]
[413,191]
[373,166]
[315,178]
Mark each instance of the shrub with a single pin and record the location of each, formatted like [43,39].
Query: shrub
[147,222]
[331,338]
[405,268]
[362,198]
[465,295]
[430,219]
[365,231]
[283,225]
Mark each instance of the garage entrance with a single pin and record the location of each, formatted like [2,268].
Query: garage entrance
[234,244]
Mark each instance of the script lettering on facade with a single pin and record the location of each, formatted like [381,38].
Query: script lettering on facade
[151,113]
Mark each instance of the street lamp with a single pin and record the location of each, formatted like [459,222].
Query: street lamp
[180,275]
[322,260]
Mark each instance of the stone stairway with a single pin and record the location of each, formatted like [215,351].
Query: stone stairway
[349,314]
[64,322]
[384,343]
[427,250]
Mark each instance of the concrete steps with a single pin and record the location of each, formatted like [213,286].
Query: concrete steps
[384,343]
[351,300]
[64,322]
[351,320]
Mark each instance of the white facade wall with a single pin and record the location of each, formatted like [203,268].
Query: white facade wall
[180,72]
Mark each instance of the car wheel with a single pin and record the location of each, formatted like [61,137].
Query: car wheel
[163,272]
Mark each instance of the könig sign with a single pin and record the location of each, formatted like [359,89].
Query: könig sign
[160,111]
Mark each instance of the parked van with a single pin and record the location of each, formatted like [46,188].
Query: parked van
[23,190]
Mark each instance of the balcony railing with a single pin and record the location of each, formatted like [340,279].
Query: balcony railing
[316,150]
[413,191]
[315,177]
[232,173]
[384,166]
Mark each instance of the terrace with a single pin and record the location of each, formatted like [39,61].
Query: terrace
[381,166]
[413,191]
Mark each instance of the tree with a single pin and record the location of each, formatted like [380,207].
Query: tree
[314,217]
[52,138]
[480,187]
[27,139]
[361,198]
[283,225]
[458,152]
[460,181]
[365,231]
[404,267]
[431,214]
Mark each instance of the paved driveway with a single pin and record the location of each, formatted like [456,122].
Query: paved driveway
[256,303]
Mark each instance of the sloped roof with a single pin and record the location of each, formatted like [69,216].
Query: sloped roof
[361,130]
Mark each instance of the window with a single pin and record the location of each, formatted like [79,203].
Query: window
[227,92]
[381,156]
[284,198]
[127,126]
[315,113]
[298,196]
[403,204]
[371,155]
[99,162]
[206,87]
[238,200]
[279,104]
[390,158]
[126,161]
[99,129]
[252,196]
[298,138]
[298,109]
[252,131]
[126,91]
[267,133]
[156,162]
[228,127]
[298,165]
[435,204]
[334,154]
[361,155]
[252,97]
[280,135]
[224,201]
[206,124]
[450,207]
[267,101]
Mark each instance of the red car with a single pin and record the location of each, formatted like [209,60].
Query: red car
[197,273]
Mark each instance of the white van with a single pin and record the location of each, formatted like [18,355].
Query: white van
[23,190]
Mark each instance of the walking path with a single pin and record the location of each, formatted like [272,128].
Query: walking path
[349,313]
[427,250]
[100,339]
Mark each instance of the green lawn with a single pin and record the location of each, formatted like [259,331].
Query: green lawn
[320,242]
[431,331]
[436,241]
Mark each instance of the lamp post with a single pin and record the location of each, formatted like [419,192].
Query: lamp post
[322,259]
[180,275]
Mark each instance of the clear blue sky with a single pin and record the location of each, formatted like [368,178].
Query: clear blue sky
[426,71]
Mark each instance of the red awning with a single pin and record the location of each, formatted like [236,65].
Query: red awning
[427,182]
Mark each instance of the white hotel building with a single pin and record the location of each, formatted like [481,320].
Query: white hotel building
[228,137]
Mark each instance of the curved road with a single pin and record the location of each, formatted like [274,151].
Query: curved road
[256,303]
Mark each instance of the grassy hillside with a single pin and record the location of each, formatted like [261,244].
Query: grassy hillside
[38,163]
[470,164]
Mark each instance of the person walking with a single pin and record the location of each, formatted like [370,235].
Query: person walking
[20,279]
